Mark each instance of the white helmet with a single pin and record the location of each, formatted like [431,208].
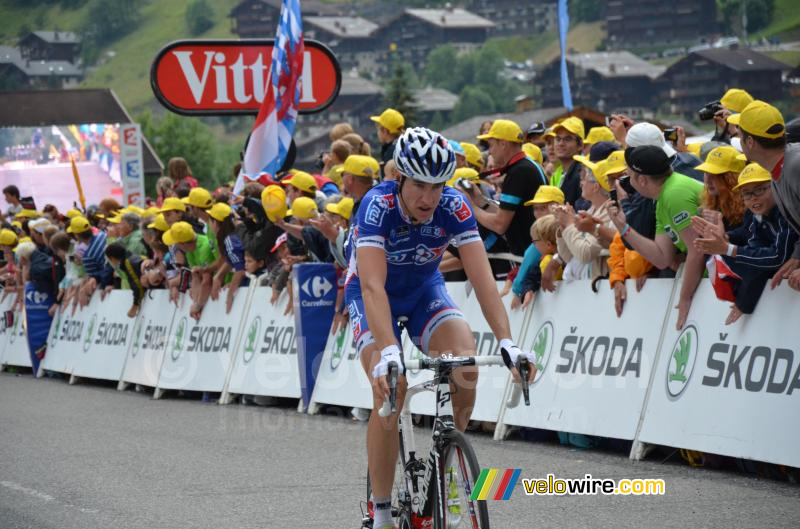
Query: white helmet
[424,155]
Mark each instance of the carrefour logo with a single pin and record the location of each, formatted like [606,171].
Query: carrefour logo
[542,347]
[317,286]
[681,361]
[87,340]
[180,334]
[251,339]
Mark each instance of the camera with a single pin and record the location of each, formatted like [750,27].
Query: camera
[464,184]
[671,134]
[613,196]
[707,112]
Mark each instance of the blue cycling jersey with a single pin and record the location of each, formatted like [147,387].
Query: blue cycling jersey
[413,251]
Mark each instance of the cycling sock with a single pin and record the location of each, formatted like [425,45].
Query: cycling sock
[383,513]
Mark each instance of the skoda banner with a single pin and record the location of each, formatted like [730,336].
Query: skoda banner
[314,299]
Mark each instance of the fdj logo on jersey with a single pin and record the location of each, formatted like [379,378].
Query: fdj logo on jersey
[338,348]
[87,340]
[542,347]
[251,339]
[681,361]
[177,344]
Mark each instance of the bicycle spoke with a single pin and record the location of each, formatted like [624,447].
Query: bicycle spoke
[468,489]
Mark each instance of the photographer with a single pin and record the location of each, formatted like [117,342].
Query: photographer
[630,134]
[522,178]
[734,101]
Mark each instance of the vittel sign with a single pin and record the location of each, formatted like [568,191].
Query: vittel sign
[216,77]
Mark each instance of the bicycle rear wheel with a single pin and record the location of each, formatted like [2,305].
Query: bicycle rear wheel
[461,471]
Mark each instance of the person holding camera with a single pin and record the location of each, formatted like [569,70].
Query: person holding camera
[677,198]
[522,179]
[631,134]
[732,102]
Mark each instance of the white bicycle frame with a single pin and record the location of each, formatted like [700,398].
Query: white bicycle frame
[417,496]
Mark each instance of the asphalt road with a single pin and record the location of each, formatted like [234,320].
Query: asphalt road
[87,456]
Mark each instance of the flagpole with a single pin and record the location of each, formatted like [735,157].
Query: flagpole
[77,178]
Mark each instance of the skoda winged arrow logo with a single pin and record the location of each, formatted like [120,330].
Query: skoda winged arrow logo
[542,347]
[137,334]
[87,341]
[317,286]
[251,339]
[13,336]
[681,361]
[177,344]
[56,327]
[338,348]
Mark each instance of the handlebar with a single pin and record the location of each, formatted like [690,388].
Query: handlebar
[523,388]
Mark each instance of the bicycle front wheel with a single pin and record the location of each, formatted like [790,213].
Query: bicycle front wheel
[460,471]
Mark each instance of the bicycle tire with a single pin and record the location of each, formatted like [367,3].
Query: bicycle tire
[456,441]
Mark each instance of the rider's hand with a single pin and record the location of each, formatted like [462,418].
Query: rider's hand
[381,369]
[511,354]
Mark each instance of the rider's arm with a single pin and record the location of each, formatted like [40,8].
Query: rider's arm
[479,273]
[372,275]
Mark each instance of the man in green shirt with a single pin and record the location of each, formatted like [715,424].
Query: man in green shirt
[677,201]
[200,257]
[130,236]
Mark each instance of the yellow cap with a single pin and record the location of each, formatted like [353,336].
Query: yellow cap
[25,239]
[151,212]
[159,223]
[219,211]
[136,209]
[760,119]
[335,174]
[597,134]
[551,131]
[116,219]
[391,120]
[533,152]
[273,200]
[303,208]
[343,208]
[72,213]
[8,238]
[473,154]
[615,163]
[736,99]
[179,233]
[360,165]
[573,125]
[596,169]
[27,214]
[753,174]
[547,194]
[78,225]
[173,204]
[694,148]
[17,224]
[199,198]
[504,129]
[302,181]
[720,160]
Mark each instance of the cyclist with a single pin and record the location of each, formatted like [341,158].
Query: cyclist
[402,229]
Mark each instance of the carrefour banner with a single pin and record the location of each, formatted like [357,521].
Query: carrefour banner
[730,389]
[593,367]
[314,298]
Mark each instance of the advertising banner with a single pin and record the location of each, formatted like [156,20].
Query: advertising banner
[149,339]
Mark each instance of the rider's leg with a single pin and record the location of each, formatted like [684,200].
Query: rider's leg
[455,337]
[382,432]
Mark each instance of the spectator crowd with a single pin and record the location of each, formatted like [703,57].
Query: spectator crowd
[553,203]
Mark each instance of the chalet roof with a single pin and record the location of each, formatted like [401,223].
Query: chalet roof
[56,37]
[741,60]
[451,18]
[345,27]
[616,64]
[435,99]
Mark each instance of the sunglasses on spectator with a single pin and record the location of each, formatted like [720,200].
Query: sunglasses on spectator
[756,192]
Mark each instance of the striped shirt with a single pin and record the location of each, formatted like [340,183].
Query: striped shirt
[94,258]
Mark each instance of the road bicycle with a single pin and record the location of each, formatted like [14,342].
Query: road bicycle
[436,492]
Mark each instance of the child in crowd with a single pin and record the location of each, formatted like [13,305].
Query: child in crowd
[200,257]
[754,251]
[232,250]
[544,234]
[545,198]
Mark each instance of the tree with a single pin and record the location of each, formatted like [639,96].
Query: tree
[439,66]
[199,16]
[190,138]
[399,94]
[759,14]
[585,11]
[107,21]
[472,102]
